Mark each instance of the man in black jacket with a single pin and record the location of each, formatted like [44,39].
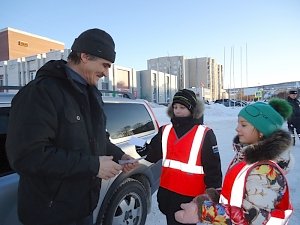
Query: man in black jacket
[294,120]
[57,140]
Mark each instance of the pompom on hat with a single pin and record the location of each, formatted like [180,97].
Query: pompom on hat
[185,97]
[267,118]
[97,43]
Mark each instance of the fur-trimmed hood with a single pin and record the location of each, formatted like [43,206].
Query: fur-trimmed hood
[271,148]
[197,112]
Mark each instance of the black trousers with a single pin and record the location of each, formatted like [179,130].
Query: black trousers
[169,202]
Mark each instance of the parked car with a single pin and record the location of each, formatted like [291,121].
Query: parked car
[241,103]
[229,102]
[125,199]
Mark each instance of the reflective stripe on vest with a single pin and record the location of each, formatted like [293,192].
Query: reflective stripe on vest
[237,193]
[280,221]
[190,166]
[278,216]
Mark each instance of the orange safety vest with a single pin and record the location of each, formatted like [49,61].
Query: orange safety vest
[234,187]
[182,171]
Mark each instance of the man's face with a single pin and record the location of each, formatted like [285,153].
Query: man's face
[293,96]
[93,68]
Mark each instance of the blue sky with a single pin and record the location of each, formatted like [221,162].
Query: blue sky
[194,28]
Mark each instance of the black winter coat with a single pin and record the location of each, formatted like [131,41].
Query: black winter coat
[295,117]
[55,135]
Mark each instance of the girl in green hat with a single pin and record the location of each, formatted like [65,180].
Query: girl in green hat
[255,190]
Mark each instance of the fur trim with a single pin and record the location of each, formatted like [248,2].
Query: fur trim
[236,140]
[269,148]
[197,112]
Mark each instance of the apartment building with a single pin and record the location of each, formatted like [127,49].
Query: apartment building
[195,73]
[171,65]
[156,86]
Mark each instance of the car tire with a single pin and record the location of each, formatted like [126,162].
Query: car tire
[128,204]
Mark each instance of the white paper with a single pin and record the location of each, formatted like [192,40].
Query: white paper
[125,161]
[137,141]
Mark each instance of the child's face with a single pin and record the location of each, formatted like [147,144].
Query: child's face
[180,110]
[246,132]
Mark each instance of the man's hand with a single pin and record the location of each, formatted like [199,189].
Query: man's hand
[108,168]
[128,166]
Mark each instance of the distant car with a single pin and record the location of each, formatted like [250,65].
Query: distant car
[125,199]
[226,102]
[229,102]
[241,103]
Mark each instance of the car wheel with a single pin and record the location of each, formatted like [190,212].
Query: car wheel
[128,205]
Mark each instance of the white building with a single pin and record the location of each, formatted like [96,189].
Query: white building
[192,73]
[159,83]
[156,86]
[19,72]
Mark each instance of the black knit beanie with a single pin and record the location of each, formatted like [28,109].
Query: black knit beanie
[97,43]
[293,92]
[185,97]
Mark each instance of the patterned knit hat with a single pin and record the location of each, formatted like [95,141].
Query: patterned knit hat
[267,118]
[185,97]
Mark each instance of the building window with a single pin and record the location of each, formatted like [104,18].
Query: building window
[168,89]
[154,85]
[31,75]
[1,80]
[122,78]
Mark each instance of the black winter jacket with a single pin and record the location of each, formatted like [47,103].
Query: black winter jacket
[295,117]
[168,201]
[55,135]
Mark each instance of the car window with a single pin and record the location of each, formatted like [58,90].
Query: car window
[4,165]
[126,119]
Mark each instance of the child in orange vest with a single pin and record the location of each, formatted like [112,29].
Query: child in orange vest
[189,154]
[255,190]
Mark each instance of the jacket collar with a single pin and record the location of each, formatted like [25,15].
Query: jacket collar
[267,149]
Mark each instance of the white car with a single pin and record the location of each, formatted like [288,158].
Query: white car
[125,199]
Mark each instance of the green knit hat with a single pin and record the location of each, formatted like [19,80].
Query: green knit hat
[267,118]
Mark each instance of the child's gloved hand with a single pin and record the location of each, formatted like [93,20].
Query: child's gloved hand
[141,150]
[188,214]
[213,194]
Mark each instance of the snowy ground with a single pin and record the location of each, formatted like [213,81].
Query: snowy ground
[223,121]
